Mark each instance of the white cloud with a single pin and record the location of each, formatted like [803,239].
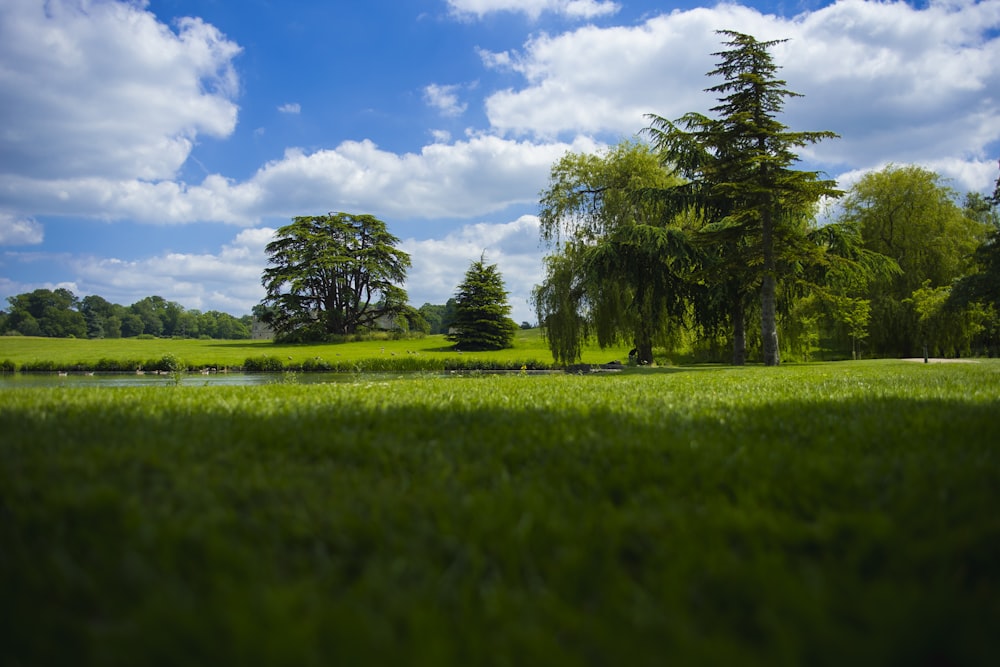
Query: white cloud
[439,265]
[480,175]
[444,99]
[957,173]
[291,108]
[20,231]
[102,89]
[575,9]
[595,80]
[440,136]
[898,83]
[216,199]
[228,280]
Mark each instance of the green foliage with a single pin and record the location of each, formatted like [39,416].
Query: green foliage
[411,322]
[60,314]
[739,179]
[979,291]
[333,274]
[438,317]
[126,365]
[943,329]
[618,271]
[481,320]
[826,514]
[217,325]
[263,364]
[559,303]
[45,312]
[908,215]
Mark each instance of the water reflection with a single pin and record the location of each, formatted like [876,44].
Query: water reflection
[50,380]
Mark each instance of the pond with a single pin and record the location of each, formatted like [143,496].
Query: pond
[77,379]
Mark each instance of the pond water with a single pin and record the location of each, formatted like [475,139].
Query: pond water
[49,380]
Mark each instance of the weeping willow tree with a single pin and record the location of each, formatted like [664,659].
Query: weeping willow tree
[621,266]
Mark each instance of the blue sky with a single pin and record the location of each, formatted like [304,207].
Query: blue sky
[153,147]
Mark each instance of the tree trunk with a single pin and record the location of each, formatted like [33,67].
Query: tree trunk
[643,348]
[768,321]
[739,334]
[768,295]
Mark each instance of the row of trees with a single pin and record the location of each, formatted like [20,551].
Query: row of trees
[335,275]
[708,236]
[328,276]
[60,314]
[705,237]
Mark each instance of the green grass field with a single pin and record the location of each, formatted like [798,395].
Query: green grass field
[827,514]
[427,353]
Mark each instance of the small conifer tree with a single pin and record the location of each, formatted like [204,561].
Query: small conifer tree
[481,320]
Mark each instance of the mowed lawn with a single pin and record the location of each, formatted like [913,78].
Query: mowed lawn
[427,352]
[825,514]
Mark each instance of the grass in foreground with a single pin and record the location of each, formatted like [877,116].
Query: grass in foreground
[828,514]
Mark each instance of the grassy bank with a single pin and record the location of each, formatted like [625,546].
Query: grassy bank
[828,514]
[129,354]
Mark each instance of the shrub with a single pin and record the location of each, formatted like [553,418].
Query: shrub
[263,364]
[38,366]
[318,364]
[117,365]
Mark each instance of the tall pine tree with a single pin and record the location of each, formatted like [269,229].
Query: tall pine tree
[738,168]
[481,320]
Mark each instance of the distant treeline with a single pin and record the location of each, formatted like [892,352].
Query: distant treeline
[60,314]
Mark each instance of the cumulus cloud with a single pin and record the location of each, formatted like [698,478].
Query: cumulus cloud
[444,99]
[102,89]
[574,9]
[480,175]
[20,231]
[227,280]
[898,83]
[439,265]
[291,108]
[216,199]
[595,80]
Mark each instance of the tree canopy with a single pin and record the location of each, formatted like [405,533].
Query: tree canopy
[60,314]
[332,275]
[618,269]
[909,215]
[739,175]
[651,240]
[982,285]
[481,317]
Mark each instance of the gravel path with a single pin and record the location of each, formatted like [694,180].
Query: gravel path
[933,360]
